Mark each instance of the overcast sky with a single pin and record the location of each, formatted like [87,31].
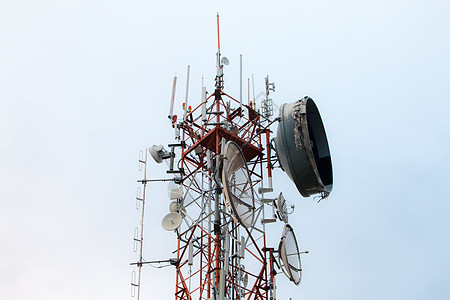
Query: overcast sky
[85,85]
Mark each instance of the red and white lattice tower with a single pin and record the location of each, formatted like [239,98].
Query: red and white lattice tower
[221,252]
[220,255]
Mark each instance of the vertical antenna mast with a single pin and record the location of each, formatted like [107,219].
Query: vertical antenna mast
[139,238]
[253,88]
[218,42]
[187,92]
[240,82]
[219,63]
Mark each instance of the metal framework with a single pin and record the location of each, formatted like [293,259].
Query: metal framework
[219,243]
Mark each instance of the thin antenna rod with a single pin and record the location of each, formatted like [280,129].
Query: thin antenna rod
[142,228]
[218,40]
[248,91]
[240,82]
[187,92]
[253,87]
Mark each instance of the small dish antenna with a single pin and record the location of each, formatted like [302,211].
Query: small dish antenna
[171,221]
[237,183]
[158,153]
[282,208]
[225,61]
[289,255]
[173,207]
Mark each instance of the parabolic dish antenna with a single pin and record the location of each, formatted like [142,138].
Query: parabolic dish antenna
[171,221]
[302,148]
[289,255]
[282,208]
[237,184]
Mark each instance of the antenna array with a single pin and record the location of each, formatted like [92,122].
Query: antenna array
[138,238]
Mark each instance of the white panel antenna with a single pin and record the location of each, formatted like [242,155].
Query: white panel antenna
[204,117]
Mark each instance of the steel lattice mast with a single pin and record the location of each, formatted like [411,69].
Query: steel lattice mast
[218,246]
[213,244]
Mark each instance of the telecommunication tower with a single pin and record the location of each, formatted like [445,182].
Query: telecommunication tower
[220,168]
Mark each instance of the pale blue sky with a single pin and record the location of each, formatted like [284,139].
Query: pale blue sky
[84,86]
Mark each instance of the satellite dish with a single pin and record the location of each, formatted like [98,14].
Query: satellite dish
[302,148]
[282,208]
[171,221]
[225,61]
[237,184]
[289,255]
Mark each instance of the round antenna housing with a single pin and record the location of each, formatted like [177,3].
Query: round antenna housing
[302,148]
[171,221]
[237,184]
[155,152]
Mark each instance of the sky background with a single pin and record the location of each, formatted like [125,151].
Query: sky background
[85,85]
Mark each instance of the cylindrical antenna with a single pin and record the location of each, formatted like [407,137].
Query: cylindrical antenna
[176,132]
[223,142]
[218,40]
[187,92]
[172,157]
[208,160]
[253,88]
[242,248]
[224,271]
[204,118]
[172,101]
[269,166]
[191,253]
[240,81]
[248,90]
